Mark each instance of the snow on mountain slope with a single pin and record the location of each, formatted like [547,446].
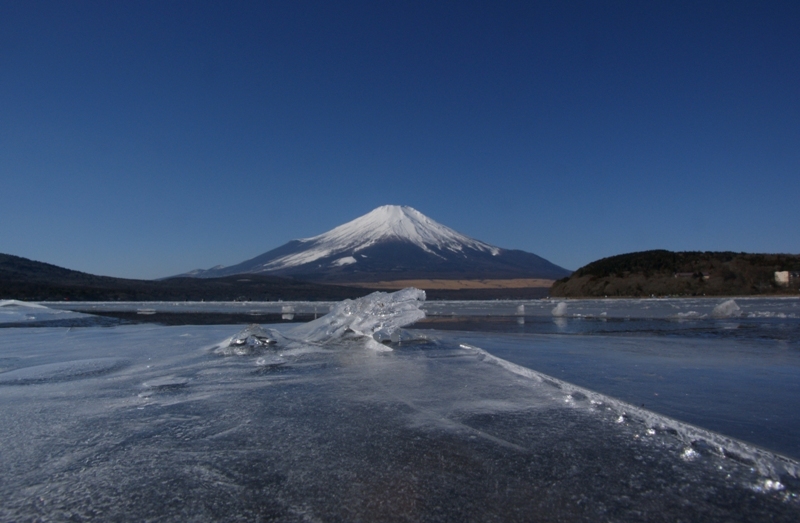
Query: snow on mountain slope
[391,242]
[389,222]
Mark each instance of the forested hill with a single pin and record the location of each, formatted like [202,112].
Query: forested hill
[24,279]
[667,273]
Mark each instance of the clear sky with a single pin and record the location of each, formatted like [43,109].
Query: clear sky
[144,139]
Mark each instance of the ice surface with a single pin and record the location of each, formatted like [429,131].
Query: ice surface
[432,431]
[768,464]
[551,419]
[744,383]
[11,304]
[645,308]
[637,308]
[55,372]
[16,311]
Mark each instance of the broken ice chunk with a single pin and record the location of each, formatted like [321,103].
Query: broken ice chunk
[247,341]
[377,315]
[560,310]
[253,336]
[726,309]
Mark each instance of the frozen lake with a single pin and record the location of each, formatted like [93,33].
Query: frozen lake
[622,410]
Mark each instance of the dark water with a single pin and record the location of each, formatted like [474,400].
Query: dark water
[737,376]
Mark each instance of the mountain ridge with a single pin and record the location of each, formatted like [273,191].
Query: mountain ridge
[25,279]
[391,242]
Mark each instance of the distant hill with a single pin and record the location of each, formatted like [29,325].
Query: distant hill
[391,243]
[662,273]
[24,279]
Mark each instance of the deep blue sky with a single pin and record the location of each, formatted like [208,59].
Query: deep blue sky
[144,139]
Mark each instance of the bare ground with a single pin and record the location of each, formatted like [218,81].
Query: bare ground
[521,283]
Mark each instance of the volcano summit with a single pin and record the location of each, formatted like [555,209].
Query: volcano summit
[391,243]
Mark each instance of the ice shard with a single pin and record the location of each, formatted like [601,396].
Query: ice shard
[726,309]
[560,310]
[16,311]
[247,341]
[377,317]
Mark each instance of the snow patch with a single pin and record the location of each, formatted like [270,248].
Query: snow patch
[347,260]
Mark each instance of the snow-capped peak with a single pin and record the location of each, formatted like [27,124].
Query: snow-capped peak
[389,222]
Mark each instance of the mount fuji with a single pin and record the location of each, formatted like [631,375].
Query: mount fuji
[391,243]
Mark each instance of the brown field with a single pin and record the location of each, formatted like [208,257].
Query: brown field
[522,283]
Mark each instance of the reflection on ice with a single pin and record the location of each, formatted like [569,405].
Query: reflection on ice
[287,312]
